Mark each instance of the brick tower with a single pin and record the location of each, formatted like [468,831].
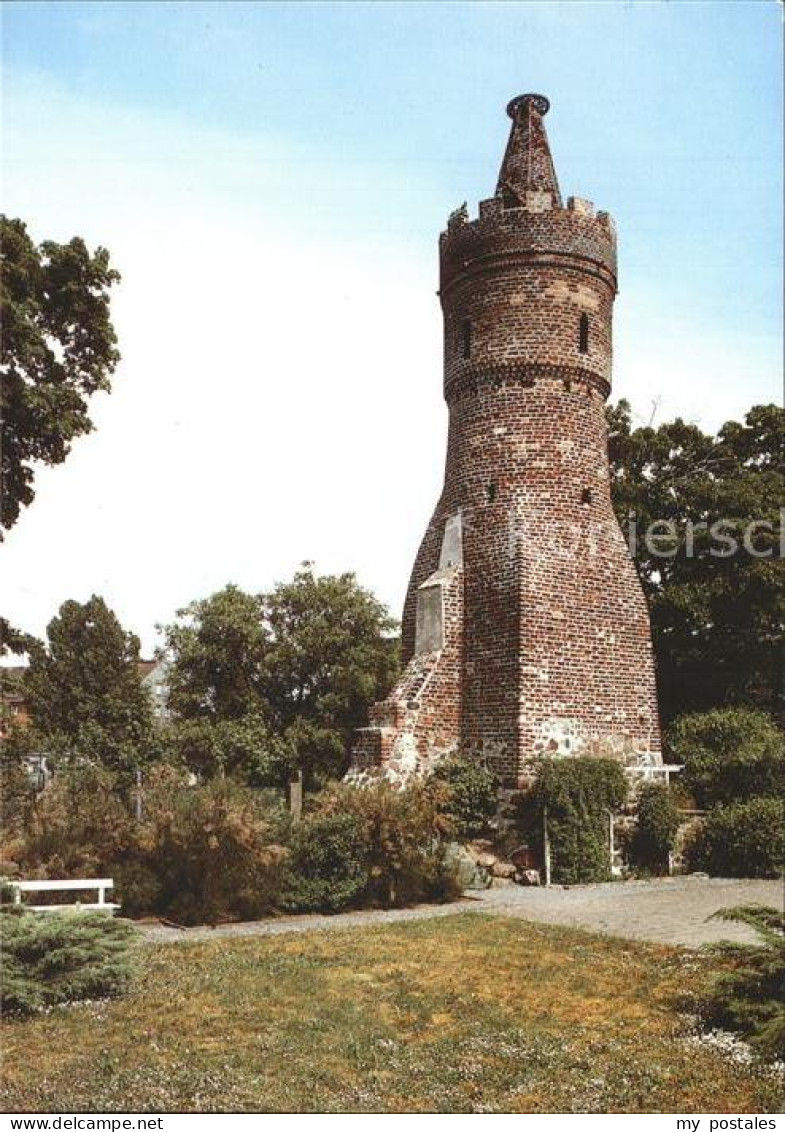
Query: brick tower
[525,629]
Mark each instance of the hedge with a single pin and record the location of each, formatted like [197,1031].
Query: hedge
[578,793]
[742,840]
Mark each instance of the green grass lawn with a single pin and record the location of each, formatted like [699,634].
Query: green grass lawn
[467,1013]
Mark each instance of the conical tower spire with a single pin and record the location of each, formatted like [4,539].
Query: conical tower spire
[528,166]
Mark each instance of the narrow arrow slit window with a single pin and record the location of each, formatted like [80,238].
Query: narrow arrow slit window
[583,335]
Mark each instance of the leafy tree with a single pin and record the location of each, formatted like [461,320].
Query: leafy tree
[11,689]
[729,754]
[718,618]
[330,656]
[13,642]
[57,349]
[219,647]
[243,748]
[86,697]
[263,684]
[218,691]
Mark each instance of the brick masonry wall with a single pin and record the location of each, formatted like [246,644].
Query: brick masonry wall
[420,722]
[555,653]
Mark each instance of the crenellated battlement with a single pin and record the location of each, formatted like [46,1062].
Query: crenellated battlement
[535,231]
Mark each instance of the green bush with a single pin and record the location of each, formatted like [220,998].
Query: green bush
[729,755]
[749,998]
[578,793]
[655,832]
[17,792]
[472,797]
[209,852]
[137,884]
[327,868]
[79,825]
[17,799]
[742,840]
[57,958]
[403,834]
[200,853]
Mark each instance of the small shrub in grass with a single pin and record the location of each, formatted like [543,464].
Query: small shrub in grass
[655,832]
[403,832]
[743,840]
[472,795]
[48,960]
[749,997]
[327,868]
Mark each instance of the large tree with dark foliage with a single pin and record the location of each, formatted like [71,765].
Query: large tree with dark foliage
[86,697]
[718,614]
[57,348]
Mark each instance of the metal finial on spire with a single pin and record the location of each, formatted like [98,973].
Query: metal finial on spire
[538,101]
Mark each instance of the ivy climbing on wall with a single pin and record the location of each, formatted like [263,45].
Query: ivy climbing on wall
[575,797]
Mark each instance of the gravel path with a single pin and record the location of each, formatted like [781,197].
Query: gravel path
[671,910]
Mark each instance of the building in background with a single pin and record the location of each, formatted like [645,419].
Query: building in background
[14,708]
[155,678]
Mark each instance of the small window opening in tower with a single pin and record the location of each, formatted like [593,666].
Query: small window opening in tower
[510,200]
[586,495]
[491,489]
[467,338]
[583,334]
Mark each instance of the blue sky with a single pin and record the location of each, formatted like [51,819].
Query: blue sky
[673,103]
[271,180]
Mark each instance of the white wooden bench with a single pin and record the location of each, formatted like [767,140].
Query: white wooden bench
[99,885]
